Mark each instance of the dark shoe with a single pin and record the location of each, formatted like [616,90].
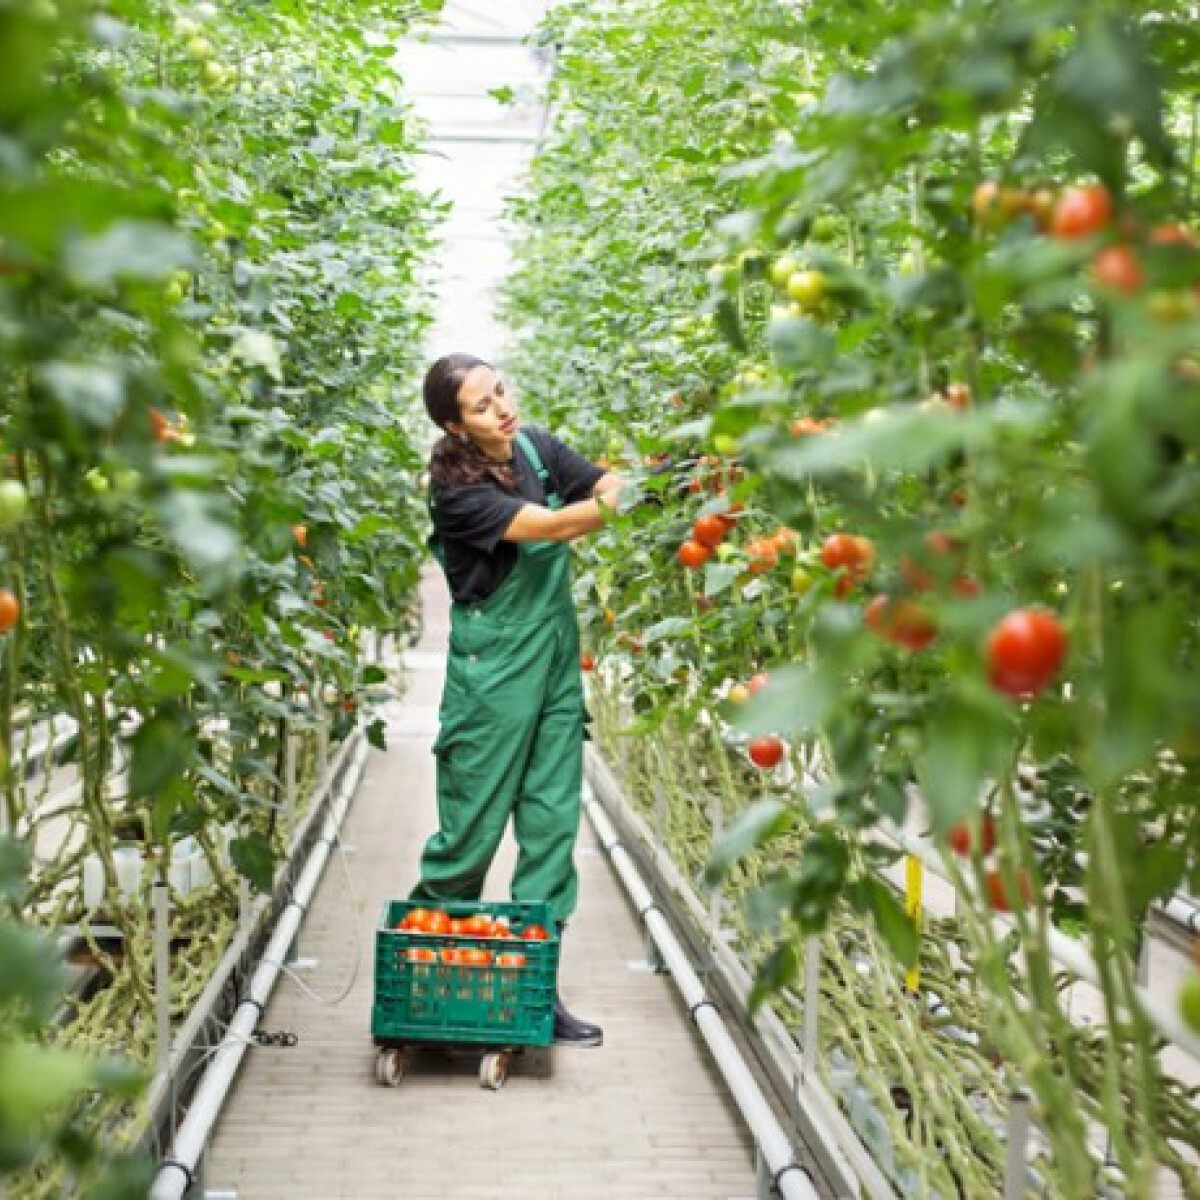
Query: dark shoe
[571,1031]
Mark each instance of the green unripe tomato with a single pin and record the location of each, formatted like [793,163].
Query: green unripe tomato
[199,48]
[807,288]
[97,481]
[783,268]
[127,481]
[14,504]
[801,581]
[824,227]
[215,74]
[725,443]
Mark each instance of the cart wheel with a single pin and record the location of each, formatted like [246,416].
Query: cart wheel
[493,1069]
[390,1066]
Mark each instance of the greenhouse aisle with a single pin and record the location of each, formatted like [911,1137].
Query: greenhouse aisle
[644,1116]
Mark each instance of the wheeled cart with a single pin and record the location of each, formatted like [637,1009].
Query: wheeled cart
[465,976]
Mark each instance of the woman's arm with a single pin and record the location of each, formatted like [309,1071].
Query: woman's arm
[607,482]
[536,523]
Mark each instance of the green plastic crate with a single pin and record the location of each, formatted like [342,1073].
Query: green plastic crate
[418,1001]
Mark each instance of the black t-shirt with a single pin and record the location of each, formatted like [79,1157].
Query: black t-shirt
[471,520]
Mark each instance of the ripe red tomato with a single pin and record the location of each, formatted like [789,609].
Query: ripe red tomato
[473,956]
[10,610]
[535,933]
[756,683]
[765,752]
[958,396]
[937,544]
[850,557]
[587,660]
[693,554]
[479,925]
[510,960]
[450,955]
[997,894]
[456,927]
[1081,211]
[1025,650]
[500,930]
[1118,269]
[1173,235]
[415,918]
[709,530]
[435,921]
[300,533]
[806,426]
[421,954]
[763,555]
[901,621]
[961,836]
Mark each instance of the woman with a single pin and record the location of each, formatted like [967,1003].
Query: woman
[505,503]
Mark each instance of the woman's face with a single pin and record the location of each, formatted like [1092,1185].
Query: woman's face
[487,414]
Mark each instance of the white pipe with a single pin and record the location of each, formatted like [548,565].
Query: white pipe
[792,1181]
[176,1173]
[844,1157]
[1183,910]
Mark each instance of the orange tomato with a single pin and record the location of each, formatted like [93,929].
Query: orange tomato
[709,530]
[10,610]
[693,555]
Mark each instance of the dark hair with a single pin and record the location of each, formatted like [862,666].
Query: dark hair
[453,462]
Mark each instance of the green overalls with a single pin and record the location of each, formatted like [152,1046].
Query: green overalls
[512,729]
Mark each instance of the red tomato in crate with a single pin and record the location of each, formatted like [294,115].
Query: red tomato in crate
[479,925]
[421,954]
[415,918]
[535,933]
[473,956]
[510,960]
[436,922]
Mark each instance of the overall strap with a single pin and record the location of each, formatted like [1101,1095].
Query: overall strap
[535,461]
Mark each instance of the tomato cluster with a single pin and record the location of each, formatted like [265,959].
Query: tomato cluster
[439,923]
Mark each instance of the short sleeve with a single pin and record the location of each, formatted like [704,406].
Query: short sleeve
[476,515]
[573,475]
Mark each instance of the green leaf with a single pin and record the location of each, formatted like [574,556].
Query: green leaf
[376,733]
[252,855]
[796,702]
[780,969]
[760,823]
[38,1081]
[897,928]
[92,394]
[32,974]
[127,250]
[159,753]
[258,348]
[968,739]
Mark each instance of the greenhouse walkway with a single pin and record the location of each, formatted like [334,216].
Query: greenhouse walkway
[643,1116]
